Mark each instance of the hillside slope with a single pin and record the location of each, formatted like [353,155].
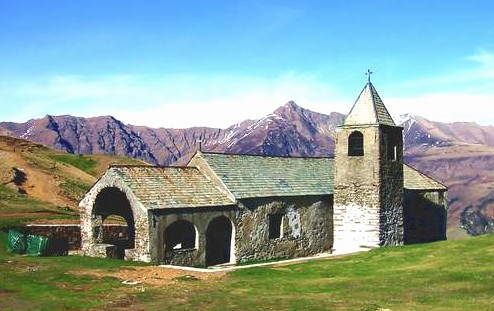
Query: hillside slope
[36,180]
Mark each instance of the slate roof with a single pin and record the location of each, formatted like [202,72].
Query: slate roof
[248,176]
[171,187]
[415,180]
[369,109]
[245,176]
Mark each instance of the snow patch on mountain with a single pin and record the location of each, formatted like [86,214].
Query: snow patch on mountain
[405,118]
[406,121]
[270,118]
[29,132]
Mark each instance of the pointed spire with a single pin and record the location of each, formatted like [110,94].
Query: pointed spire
[369,109]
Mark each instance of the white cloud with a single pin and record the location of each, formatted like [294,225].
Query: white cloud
[483,57]
[223,101]
[465,95]
[172,100]
[474,75]
[447,107]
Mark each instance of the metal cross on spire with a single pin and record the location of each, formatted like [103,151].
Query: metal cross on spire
[368,74]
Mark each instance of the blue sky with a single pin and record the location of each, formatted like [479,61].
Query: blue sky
[182,63]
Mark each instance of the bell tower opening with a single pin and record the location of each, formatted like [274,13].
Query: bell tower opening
[356,144]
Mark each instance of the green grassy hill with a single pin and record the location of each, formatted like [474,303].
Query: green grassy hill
[448,275]
[39,182]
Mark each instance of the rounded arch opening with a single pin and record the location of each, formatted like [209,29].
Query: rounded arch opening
[356,144]
[219,241]
[181,234]
[114,220]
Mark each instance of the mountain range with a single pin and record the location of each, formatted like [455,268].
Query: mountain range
[460,155]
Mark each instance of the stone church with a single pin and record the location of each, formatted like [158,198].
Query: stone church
[230,208]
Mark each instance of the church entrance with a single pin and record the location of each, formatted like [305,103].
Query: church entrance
[218,241]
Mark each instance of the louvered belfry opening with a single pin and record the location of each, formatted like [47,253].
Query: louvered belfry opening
[112,207]
[356,144]
[218,241]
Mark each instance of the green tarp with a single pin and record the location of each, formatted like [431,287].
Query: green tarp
[36,245]
[16,242]
[33,245]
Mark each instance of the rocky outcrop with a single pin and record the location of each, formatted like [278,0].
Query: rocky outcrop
[77,135]
[474,222]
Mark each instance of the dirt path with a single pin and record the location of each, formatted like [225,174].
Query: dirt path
[152,275]
[38,184]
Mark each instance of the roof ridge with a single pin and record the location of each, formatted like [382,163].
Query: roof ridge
[371,87]
[373,90]
[150,166]
[265,156]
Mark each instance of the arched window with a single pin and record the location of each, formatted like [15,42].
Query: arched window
[356,144]
[180,235]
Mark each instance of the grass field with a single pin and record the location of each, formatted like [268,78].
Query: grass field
[450,275]
[16,209]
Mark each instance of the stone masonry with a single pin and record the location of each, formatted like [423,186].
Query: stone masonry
[368,191]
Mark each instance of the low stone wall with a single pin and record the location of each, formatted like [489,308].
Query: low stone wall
[181,257]
[107,251]
[70,235]
[200,218]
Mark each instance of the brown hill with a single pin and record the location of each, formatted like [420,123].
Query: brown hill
[461,155]
[37,181]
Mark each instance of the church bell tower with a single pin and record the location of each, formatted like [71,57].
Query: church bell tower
[368,189]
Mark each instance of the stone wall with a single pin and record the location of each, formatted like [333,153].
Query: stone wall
[307,228]
[182,257]
[357,191]
[90,220]
[391,188]
[356,221]
[200,218]
[368,191]
[64,238]
[71,234]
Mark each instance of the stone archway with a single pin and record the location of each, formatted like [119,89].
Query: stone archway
[112,203]
[219,241]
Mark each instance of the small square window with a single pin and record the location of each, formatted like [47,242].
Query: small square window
[275,226]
